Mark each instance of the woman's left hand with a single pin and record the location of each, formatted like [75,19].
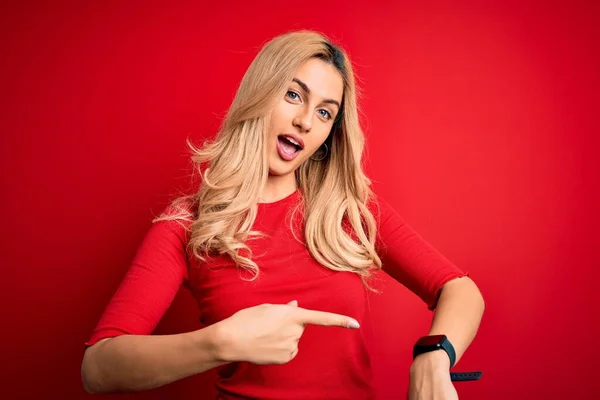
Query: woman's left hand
[430,378]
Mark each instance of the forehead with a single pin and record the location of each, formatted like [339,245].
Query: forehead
[322,78]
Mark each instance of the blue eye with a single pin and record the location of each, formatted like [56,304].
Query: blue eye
[291,93]
[326,114]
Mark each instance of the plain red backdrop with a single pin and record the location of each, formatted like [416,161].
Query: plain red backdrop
[482,124]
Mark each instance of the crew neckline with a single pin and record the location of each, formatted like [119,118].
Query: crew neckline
[290,197]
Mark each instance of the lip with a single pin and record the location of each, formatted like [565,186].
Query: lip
[285,156]
[296,138]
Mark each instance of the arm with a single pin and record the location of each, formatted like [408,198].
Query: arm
[141,362]
[121,353]
[445,288]
[263,334]
[458,314]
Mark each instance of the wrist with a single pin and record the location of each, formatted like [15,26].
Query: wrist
[223,343]
[433,362]
[211,341]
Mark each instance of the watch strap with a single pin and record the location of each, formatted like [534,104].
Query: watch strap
[447,346]
[465,376]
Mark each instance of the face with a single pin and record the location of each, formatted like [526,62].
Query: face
[303,118]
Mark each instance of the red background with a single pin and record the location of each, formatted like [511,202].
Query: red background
[482,125]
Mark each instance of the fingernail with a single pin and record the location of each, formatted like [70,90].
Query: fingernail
[353,324]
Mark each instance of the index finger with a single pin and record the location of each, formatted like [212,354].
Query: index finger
[323,318]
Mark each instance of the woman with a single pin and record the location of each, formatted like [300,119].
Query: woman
[277,247]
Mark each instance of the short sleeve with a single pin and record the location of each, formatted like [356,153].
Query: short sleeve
[154,277]
[410,259]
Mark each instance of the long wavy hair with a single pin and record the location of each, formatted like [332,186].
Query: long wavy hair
[339,228]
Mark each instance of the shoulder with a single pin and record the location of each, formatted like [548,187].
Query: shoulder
[381,208]
[174,222]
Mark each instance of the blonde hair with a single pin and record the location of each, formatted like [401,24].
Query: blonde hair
[340,230]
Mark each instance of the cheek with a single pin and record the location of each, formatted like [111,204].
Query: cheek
[273,122]
[282,116]
[320,137]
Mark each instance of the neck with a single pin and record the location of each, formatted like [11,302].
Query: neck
[278,187]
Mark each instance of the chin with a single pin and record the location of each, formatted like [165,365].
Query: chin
[274,171]
[277,169]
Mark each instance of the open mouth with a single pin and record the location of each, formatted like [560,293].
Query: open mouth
[289,145]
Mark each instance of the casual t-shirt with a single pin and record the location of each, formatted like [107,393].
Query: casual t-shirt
[332,363]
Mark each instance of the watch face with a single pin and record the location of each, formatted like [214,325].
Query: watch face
[431,340]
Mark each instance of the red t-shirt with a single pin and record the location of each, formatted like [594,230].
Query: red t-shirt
[331,363]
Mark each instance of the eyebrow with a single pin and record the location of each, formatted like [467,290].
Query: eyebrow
[307,90]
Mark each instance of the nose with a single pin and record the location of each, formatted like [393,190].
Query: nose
[303,120]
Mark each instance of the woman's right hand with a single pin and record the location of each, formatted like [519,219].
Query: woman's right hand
[269,333]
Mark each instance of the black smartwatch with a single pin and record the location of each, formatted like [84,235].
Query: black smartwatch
[433,343]
[441,342]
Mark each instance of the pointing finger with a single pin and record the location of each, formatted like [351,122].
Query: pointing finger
[305,316]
